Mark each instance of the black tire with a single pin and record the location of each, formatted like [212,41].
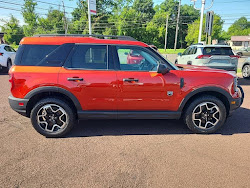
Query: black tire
[176,62]
[246,71]
[66,121]
[9,64]
[239,54]
[213,123]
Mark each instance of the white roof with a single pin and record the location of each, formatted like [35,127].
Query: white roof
[202,46]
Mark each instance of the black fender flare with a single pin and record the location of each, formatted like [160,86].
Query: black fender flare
[46,89]
[204,89]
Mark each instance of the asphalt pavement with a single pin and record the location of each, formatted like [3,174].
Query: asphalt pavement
[124,153]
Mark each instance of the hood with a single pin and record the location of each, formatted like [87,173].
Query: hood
[202,69]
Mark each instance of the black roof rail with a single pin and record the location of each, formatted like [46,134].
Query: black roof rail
[86,35]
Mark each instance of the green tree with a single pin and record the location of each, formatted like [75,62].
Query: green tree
[193,30]
[156,28]
[53,23]
[13,33]
[30,17]
[239,27]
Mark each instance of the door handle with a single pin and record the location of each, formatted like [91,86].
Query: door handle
[75,79]
[130,80]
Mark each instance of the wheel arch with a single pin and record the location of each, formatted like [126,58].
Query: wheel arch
[217,92]
[43,92]
[247,63]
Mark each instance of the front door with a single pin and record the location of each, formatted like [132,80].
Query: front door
[88,74]
[141,88]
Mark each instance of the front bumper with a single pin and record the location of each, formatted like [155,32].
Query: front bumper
[236,103]
[19,105]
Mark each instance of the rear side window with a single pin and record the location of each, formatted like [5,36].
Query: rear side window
[92,57]
[42,55]
[217,51]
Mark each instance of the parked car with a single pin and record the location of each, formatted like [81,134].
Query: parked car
[134,57]
[214,56]
[57,80]
[246,68]
[7,56]
[243,51]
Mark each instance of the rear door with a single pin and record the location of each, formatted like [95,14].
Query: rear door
[11,52]
[141,88]
[88,74]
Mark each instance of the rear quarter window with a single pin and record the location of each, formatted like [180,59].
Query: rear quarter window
[42,55]
[217,51]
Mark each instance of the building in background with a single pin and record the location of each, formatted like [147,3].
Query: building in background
[238,42]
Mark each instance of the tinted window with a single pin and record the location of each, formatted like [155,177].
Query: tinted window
[12,50]
[7,48]
[217,51]
[33,54]
[136,59]
[89,57]
[194,50]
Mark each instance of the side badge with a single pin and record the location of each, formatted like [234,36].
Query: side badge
[170,93]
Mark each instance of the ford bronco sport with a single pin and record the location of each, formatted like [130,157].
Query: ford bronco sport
[58,79]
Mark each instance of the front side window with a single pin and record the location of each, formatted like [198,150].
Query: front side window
[89,57]
[186,51]
[136,59]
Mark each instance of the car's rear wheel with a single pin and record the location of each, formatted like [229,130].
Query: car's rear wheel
[52,117]
[9,64]
[239,54]
[246,71]
[205,115]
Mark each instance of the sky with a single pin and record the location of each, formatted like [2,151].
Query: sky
[229,10]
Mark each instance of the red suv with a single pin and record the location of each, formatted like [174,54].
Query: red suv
[57,80]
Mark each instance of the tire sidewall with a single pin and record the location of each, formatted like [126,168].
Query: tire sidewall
[248,72]
[194,104]
[65,106]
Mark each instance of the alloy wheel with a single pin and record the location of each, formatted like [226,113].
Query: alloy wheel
[206,115]
[52,118]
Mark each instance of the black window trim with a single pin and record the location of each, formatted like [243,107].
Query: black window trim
[88,44]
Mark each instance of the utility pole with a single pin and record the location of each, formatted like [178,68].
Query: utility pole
[166,34]
[89,16]
[202,14]
[65,19]
[177,25]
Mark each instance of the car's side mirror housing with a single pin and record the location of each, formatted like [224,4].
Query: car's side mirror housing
[179,54]
[162,69]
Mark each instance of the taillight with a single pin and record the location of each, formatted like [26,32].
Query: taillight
[203,56]
[11,79]
[235,56]
[1,54]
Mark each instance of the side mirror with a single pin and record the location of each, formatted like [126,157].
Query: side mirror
[179,54]
[163,69]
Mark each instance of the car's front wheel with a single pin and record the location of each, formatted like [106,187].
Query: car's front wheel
[52,117]
[205,115]
[246,71]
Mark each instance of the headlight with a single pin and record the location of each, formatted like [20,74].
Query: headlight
[235,84]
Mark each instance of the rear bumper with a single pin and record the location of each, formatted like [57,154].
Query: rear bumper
[19,105]
[236,103]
